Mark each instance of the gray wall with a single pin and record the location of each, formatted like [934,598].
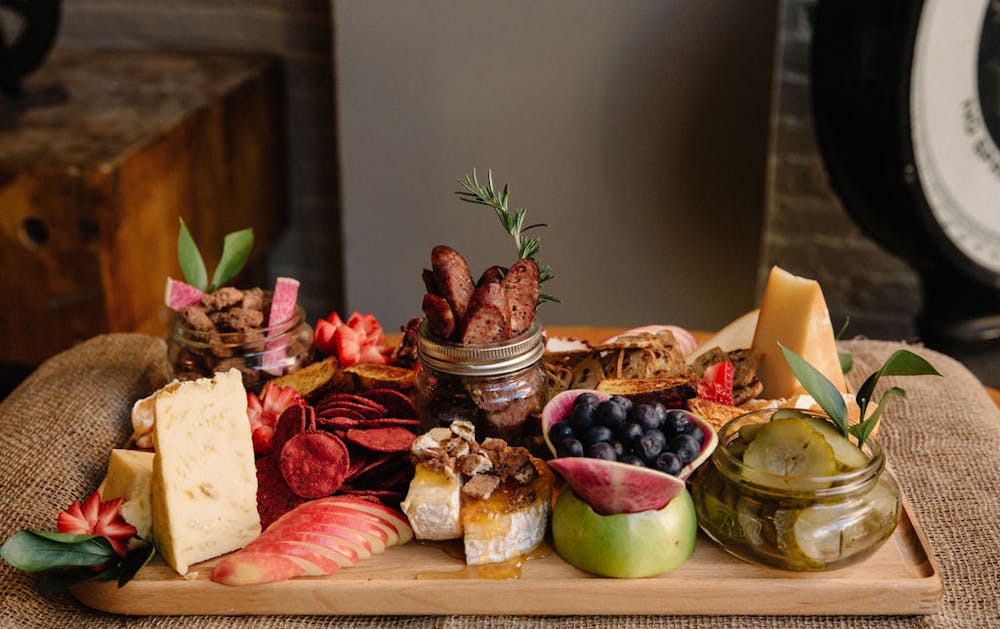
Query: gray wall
[636,129]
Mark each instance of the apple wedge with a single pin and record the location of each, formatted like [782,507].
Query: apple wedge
[249,568]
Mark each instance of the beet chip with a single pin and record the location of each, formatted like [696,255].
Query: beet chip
[337,423]
[274,497]
[386,422]
[338,411]
[366,412]
[314,464]
[294,420]
[353,399]
[392,439]
[367,464]
[396,404]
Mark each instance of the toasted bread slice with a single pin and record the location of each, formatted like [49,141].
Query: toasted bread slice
[371,376]
[667,391]
[713,412]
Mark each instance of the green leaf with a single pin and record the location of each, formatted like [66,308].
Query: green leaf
[235,251]
[902,363]
[34,551]
[192,265]
[134,561]
[56,582]
[819,387]
[862,430]
[846,361]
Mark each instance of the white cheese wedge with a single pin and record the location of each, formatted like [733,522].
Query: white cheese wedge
[143,416]
[793,312]
[433,505]
[130,476]
[501,536]
[204,479]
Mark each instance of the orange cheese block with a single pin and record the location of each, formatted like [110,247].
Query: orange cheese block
[793,312]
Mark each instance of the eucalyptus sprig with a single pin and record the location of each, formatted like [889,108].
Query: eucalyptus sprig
[512,221]
[236,248]
[68,558]
[900,363]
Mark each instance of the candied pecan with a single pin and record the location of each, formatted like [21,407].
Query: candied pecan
[513,464]
[253,299]
[237,319]
[222,298]
[522,496]
[474,463]
[197,318]
[480,486]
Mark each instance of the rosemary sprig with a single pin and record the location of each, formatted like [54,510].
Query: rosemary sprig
[512,221]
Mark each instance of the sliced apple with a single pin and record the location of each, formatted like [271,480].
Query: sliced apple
[250,568]
[333,523]
[393,517]
[346,540]
[320,563]
[331,510]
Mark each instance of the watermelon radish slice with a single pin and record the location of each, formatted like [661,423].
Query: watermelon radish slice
[286,292]
[610,487]
[179,295]
[685,339]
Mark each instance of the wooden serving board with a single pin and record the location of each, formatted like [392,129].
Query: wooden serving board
[418,579]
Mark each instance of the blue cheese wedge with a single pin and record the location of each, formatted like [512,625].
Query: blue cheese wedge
[130,476]
[204,484]
[493,496]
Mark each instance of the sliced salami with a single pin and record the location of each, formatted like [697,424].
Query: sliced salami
[488,319]
[440,317]
[452,279]
[521,284]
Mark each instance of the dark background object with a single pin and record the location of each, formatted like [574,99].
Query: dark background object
[863,95]
[21,55]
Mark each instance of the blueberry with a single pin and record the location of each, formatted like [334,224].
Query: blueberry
[586,399]
[619,448]
[669,463]
[610,414]
[603,451]
[660,409]
[569,447]
[632,459]
[646,416]
[629,434]
[582,418]
[651,445]
[695,431]
[685,447]
[559,431]
[623,401]
[675,422]
[598,434]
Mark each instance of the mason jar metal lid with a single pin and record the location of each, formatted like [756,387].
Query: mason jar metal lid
[491,359]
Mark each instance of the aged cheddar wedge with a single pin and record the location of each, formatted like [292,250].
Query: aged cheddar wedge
[130,476]
[204,480]
[793,312]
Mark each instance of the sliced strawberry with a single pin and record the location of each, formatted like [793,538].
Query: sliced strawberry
[347,343]
[98,518]
[717,383]
[323,336]
[264,413]
[359,339]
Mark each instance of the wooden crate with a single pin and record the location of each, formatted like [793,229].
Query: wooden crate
[91,188]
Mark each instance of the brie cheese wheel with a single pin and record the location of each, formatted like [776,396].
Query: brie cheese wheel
[793,312]
[130,476]
[501,536]
[204,480]
[433,505]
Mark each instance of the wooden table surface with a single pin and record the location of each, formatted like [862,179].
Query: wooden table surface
[594,334]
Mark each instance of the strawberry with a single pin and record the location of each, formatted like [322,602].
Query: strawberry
[264,412]
[360,339]
[717,383]
[347,342]
[98,518]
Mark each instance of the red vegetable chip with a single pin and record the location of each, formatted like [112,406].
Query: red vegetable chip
[392,439]
[337,423]
[314,464]
[391,474]
[386,422]
[396,404]
[294,420]
[367,463]
[339,411]
[349,398]
[367,412]
[274,497]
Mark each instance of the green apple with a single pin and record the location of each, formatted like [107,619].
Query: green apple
[624,545]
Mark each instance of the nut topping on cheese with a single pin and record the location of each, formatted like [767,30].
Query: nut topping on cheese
[494,495]
[204,478]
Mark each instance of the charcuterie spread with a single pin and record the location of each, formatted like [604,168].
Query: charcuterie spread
[483,435]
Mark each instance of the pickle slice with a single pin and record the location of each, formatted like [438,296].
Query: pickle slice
[849,456]
[789,448]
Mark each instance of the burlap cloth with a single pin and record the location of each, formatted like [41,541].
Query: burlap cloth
[56,430]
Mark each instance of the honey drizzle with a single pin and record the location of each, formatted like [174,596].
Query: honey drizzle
[510,569]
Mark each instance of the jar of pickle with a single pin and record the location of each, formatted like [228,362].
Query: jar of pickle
[498,386]
[793,520]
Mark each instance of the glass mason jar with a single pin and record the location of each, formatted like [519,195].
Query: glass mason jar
[260,354]
[499,386]
[796,523]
